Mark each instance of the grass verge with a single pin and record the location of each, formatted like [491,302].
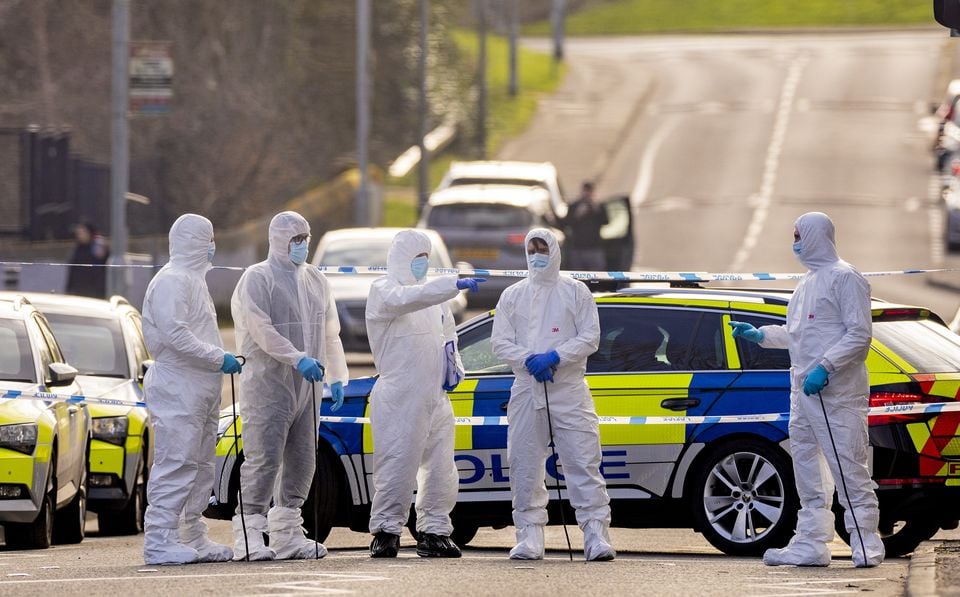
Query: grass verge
[625,17]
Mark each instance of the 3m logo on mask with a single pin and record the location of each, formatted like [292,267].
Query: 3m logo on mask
[555,330]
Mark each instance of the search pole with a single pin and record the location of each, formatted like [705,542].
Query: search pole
[557,18]
[119,155]
[512,26]
[482,77]
[362,203]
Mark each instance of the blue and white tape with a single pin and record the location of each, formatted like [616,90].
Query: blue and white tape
[74,399]
[914,408]
[674,276]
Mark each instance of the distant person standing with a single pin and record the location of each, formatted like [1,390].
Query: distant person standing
[583,222]
[90,249]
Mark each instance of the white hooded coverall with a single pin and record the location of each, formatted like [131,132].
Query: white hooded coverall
[828,323]
[545,312]
[282,312]
[182,390]
[408,323]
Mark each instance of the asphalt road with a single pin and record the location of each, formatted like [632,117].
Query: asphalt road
[723,141]
[654,562]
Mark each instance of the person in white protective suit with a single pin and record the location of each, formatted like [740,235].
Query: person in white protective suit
[288,329]
[412,334]
[545,328]
[182,390]
[828,332]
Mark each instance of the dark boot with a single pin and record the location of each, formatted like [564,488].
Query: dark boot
[436,546]
[384,545]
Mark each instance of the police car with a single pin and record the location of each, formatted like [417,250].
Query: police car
[103,339]
[731,481]
[43,443]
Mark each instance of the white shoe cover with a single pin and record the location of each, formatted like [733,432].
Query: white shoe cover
[529,543]
[596,542]
[210,551]
[161,546]
[798,553]
[287,537]
[256,526]
[875,550]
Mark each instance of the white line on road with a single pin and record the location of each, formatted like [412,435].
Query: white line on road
[645,177]
[325,576]
[772,163]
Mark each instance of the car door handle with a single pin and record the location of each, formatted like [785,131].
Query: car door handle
[680,403]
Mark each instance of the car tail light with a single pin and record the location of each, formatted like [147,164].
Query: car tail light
[880,399]
[516,238]
[956,168]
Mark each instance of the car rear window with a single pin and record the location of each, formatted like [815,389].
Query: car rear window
[479,215]
[927,346]
[16,359]
[93,345]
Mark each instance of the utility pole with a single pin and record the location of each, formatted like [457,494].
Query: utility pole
[482,77]
[557,17]
[423,172]
[512,27]
[119,154]
[362,203]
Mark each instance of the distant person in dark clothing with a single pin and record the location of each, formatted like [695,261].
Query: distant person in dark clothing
[91,248]
[583,222]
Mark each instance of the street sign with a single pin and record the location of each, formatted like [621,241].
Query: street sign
[151,77]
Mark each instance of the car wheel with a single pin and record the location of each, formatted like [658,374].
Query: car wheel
[900,537]
[39,533]
[69,522]
[744,499]
[324,498]
[129,519]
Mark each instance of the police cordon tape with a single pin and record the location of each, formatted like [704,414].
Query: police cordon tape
[911,408]
[677,276]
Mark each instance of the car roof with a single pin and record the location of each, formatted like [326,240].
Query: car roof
[366,233]
[66,303]
[759,296]
[503,169]
[508,194]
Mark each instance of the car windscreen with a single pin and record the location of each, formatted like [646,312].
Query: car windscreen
[522,182]
[364,253]
[479,216]
[927,346]
[16,359]
[93,345]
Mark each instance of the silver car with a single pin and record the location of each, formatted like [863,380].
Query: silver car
[368,247]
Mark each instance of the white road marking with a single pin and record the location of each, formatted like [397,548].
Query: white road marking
[802,587]
[645,177]
[772,163]
[326,576]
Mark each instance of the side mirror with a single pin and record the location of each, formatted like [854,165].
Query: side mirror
[143,369]
[60,374]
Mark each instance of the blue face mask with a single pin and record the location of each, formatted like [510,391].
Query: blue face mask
[797,248]
[538,260]
[298,252]
[419,267]
[211,250]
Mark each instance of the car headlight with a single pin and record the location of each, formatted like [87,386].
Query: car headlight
[111,429]
[21,438]
[223,425]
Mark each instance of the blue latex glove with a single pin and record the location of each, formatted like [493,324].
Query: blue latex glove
[336,393]
[815,381]
[746,331]
[472,283]
[539,363]
[230,364]
[545,375]
[310,369]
